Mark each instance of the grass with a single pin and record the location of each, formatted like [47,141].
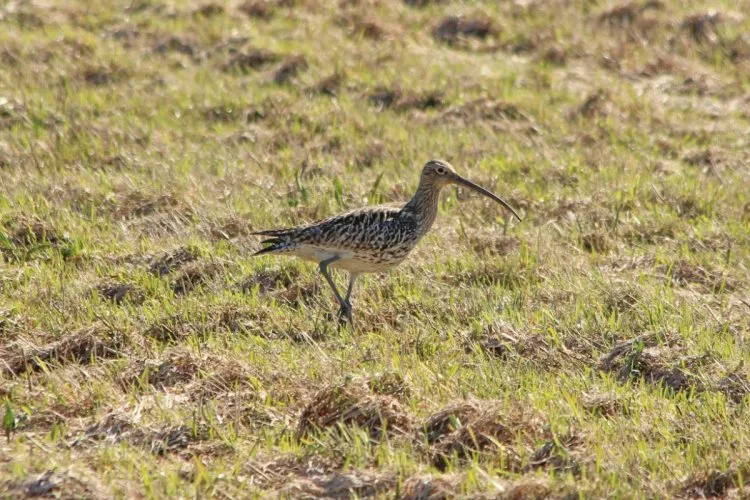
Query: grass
[595,349]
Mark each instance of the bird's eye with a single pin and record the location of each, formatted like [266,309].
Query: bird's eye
[440,170]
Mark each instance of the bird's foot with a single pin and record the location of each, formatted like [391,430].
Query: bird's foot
[345,315]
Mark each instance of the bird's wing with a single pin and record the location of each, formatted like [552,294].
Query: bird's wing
[351,230]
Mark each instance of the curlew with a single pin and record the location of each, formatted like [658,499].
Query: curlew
[370,239]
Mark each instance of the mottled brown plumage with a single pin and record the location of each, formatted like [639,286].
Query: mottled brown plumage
[369,239]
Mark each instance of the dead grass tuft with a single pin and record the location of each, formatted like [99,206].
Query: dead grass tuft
[455,30]
[684,273]
[363,25]
[269,280]
[715,484]
[138,203]
[484,109]
[353,404]
[601,404]
[641,359]
[501,341]
[117,292]
[195,274]
[224,317]
[329,85]
[173,261]
[23,237]
[597,105]
[259,9]
[390,384]
[353,484]
[209,10]
[50,484]
[423,3]
[179,367]
[118,427]
[464,430]
[735,386]
[250,60]
[290,68]
[429,487]
[562,454]
[104,75]
[84,346]
[702,27]
[395,98]
[182,45]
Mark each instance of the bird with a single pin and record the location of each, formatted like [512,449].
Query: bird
[371,239]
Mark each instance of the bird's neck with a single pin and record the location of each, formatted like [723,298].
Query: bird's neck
[424,206]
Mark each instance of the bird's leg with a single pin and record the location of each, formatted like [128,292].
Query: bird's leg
[346,307]
[324,271]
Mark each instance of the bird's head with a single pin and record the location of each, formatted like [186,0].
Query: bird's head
[439,173]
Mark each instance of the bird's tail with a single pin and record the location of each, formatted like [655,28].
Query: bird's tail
[278,242]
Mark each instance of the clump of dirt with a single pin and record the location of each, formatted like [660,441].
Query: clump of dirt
[84,346]
[228,228]
[117,428]
[223,113]
[735,386]
[21,237]
[390,384]
[104,75]
[208,10]
[395,98]
[464,430]
[225,317]
[597,105]
[621,299]
[299,293]
[353,484]
[627,13]
[501,341]
[177,44]
[250,60]
[353,404]
[684,273]
[595,241]
[562,454]
[641,359]
[484,109]
[555,55]
[259,9]
[362,26]
[223,377]
[194,275]
[702,27]
[429,487]
[715,484]
[455,30]
[269,280]
[422,3]
[114,291]
[138,203]
[289,68]
[604,405]
[173,261]
[50,484]
[329,85]
[633,19]
[178,367]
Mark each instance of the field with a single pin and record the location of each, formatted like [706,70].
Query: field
[595,349]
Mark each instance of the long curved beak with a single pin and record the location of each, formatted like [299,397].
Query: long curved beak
[460,180]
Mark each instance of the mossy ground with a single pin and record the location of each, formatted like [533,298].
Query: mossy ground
[595,349]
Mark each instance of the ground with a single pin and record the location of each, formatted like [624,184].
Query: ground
[597,348]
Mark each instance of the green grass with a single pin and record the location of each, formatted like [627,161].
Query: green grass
[595,349]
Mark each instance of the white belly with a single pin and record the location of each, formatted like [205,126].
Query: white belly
[348,260]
